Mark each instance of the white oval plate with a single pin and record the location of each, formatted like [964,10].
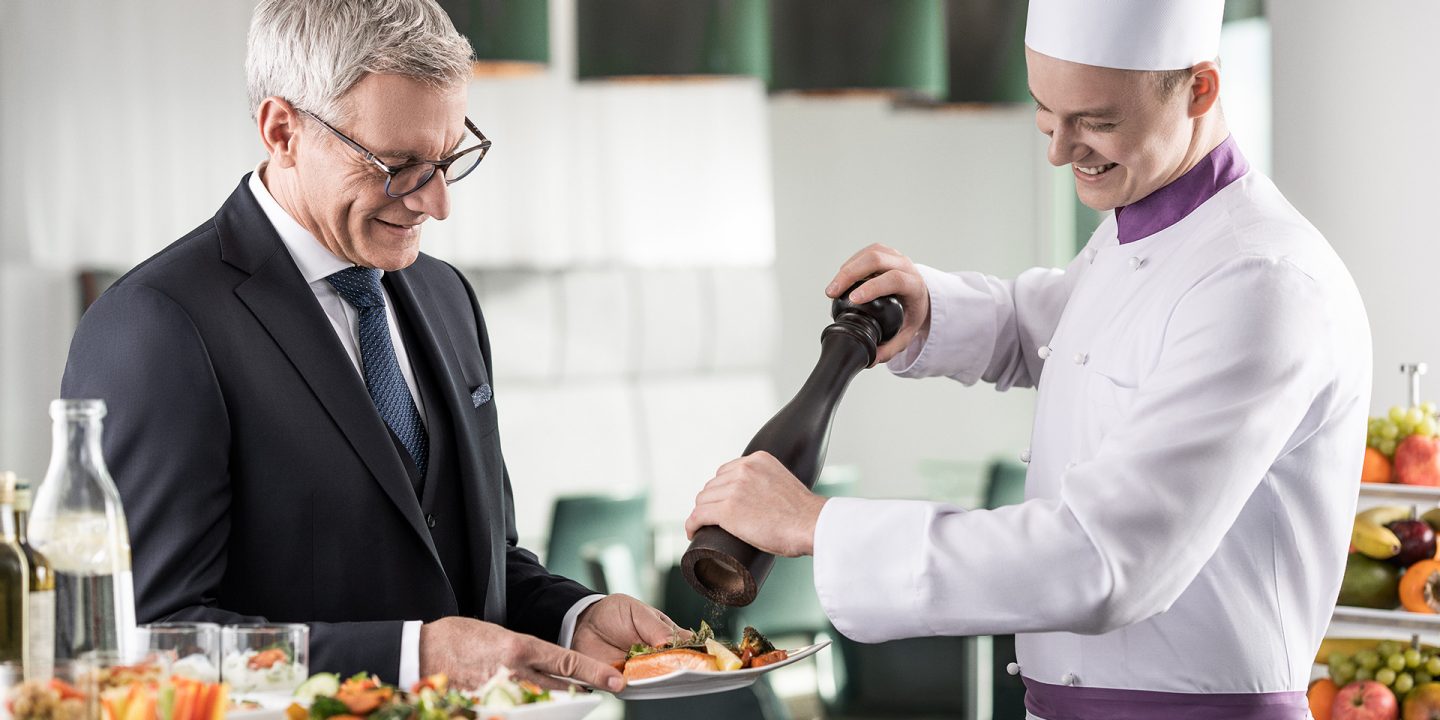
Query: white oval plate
[684,683]
[562,706]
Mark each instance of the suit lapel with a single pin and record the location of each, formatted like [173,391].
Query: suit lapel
[416,299]
[283,303]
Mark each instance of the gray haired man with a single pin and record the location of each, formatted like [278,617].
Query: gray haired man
[302,416]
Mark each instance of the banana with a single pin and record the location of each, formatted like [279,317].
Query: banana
[1374,540]
[1350,646]
[1383,514]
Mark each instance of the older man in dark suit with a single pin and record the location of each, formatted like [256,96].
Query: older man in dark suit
[302,417]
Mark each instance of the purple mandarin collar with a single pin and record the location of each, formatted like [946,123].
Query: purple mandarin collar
[1170,204]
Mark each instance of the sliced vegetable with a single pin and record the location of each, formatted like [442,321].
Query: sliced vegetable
[326,707]
[316,685]
[725,660]
[769,658]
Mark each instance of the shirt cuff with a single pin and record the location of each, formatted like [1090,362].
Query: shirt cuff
[410,654]
[567,626]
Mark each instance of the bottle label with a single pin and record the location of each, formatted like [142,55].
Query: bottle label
[41,665]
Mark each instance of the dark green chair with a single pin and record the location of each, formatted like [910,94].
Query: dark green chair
[589,532]
[1006,487]
[916,678]
[1006,484]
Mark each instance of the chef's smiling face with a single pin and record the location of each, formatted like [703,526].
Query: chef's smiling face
[401,120]
[1123,135]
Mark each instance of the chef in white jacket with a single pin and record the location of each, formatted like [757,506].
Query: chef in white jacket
[1203,368]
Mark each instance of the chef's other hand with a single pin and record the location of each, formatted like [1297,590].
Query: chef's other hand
[606,630]
[894,275]
[470,651]
[756,499]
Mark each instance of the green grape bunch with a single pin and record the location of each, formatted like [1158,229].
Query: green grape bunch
[1390,663]
[1389,430]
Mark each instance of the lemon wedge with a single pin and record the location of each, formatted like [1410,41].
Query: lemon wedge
[724,659]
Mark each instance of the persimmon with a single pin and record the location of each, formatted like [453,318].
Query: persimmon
[1377,468]
[1322,698]
[1420,587]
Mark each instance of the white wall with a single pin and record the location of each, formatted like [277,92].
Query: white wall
[955,189]
[138,129]
[1355,151]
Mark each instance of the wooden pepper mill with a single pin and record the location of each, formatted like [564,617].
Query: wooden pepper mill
[729,571]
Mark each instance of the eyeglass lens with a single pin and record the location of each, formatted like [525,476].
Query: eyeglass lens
[408,180]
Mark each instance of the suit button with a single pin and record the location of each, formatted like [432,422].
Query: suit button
[1013,668]
[1043,352]
[430,521]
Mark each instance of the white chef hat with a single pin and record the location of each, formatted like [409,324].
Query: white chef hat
[1126,34]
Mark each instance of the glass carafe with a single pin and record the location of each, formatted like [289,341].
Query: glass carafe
[78,523]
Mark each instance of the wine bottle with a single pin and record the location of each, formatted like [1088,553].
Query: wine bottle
[14,581]
[78,523]
[41,662]
[729,571]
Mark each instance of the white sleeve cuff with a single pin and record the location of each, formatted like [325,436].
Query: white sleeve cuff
[410,654]
[567,626]
[961,331]
[869,558]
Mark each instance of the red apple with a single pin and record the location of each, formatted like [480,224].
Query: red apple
[1417,461]
[1365,700]
[1417,542]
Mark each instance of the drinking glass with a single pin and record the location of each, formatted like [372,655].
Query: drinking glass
[265,663]
[188,649]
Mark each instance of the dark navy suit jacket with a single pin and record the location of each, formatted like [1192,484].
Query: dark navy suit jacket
[258,479]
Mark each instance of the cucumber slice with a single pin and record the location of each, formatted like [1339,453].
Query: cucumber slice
[318,684]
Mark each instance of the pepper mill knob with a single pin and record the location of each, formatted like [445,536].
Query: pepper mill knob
[876,321]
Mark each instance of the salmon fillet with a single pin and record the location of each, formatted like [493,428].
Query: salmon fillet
[666,662]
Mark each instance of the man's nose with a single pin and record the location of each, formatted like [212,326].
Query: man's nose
[433,198]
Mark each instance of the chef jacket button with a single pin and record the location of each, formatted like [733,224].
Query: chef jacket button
[1025,456]
[1043,352]
[1081,358]
[1070,679]
[430,520]
[1013,668]
[1136,263]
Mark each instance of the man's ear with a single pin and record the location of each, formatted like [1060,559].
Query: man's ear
[279,125]
[1204,88]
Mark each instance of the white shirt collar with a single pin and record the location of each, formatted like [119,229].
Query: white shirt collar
[315,261]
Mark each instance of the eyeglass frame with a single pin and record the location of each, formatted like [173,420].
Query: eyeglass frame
[390,172]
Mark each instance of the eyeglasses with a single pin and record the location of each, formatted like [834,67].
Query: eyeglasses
[401,180]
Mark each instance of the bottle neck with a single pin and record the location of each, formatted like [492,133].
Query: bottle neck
[7,522]
[22,524]
[76,444]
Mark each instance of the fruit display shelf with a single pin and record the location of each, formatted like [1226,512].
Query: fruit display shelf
[1402,625]
[1398,624]
[1423,497]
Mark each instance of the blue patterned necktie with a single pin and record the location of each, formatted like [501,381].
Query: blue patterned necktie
[360,286]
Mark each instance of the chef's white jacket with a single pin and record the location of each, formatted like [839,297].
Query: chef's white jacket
[1194,465]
